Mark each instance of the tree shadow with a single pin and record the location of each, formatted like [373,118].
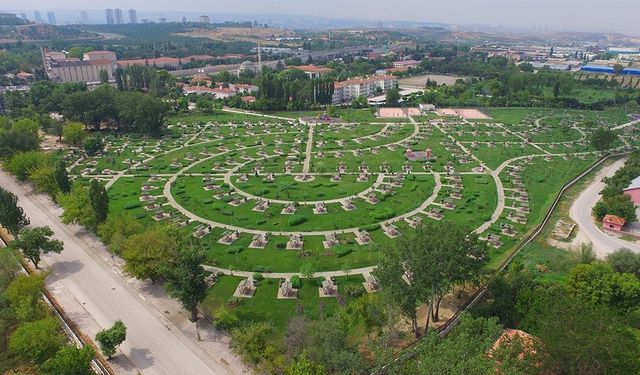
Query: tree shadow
[65,268]
[141,357]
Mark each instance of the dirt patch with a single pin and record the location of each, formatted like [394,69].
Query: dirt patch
[247,34]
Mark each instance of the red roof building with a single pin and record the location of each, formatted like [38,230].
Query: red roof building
[613,222]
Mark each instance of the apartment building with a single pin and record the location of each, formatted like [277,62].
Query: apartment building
[348,90]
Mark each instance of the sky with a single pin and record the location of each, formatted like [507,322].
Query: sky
[579,15]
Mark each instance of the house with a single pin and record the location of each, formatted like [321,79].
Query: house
[406,64]
[613,223]
[633,190]
[425,107]
[312,71]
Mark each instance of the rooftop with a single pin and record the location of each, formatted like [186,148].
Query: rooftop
[613,219]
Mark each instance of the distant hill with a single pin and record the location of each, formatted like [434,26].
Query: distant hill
[37,32]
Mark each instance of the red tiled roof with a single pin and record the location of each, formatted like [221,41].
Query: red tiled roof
[311,68]
[613,219]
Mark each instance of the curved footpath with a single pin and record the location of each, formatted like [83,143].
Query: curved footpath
[94,292]
[589,230]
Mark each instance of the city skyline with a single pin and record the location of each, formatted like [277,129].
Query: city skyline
[543,14]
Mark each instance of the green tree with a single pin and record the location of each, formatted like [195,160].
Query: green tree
[620,205]
[24,295]
[308,270]
[36,241]
[93,145]
[104,76]
[150,253]
[117,229]
[617,69]
[44,179]
[602,139]
[37,341]
[186,279]
[74,132]
[580,337]
[252,341]
[70,360]
[109,339]
[12,217]
[393,97]
[625,261]
[99,200]
[303,366]
[61,177]
[597,283]
[22,163]
[22,136]
[77,206]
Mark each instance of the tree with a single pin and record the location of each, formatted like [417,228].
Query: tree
[620,205]
[117,229]
[462,351]
[61,177]
[24,294]
[21,137]
[602,139]
[77,206]
[625,261]
[186,279]
[104,76]
[36,241]
[303,366]
[99,200]
[597,283]
[22,163]
[150,253]
[617,69]
[12,217]
[70,360]
[74,133]
[109,339]
[580,337]
[37,341]
[93,145]
[252,341]
[393,97]
[44,179]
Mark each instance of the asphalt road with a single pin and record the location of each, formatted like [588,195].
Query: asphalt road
[589,231]
[94,294]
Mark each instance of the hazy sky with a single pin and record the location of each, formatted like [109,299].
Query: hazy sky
[582,15]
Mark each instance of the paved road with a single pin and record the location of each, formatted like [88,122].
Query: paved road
[589,231]
[95,294]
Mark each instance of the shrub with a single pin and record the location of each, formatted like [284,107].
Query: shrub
[296,282]
[281,245]
[224,318]
[371,227]
[341,251]
[382,214]
[262,269]
[132,205]
[258,276]
[235,250]
[23,163]
[354,290]
[296,220]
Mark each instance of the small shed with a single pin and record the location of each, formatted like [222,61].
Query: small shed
[613,222]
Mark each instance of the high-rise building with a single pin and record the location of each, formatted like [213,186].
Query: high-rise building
[24,16]
[51,17]
[108,13]
[133,17]
[84,17]
[37,16]
[204,19]
[117,14]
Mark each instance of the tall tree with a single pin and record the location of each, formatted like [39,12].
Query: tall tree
[150,253]
[61,176]
[36,241]
[12,217]
[77,206]
[186,279]
[99,200]
[110,338]
[602,139]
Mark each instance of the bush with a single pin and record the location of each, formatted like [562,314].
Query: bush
[23,163]
[371,227]
[354,291]
[132,205]
[262,269]
[224,318]
[296,220]
[281,245]
[296,283]
[382,214]
[258,276]
[341,251]
[235,250]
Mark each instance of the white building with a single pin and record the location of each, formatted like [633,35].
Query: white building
[350,89]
